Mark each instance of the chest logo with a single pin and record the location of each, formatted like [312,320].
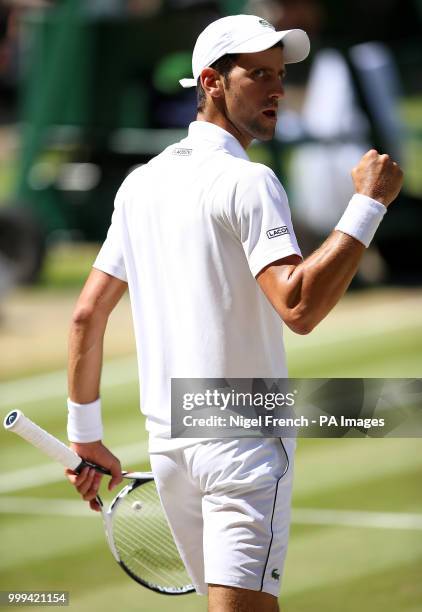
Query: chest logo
[278,231]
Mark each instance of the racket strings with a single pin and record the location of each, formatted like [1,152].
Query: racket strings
[144,541]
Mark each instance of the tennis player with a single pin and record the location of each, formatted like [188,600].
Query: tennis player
[203,238]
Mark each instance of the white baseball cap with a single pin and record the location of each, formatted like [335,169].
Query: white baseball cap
[243,34]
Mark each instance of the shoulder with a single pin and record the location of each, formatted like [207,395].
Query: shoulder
[256,178]
[252,173]
[261,172]
[129,184]
[134,176]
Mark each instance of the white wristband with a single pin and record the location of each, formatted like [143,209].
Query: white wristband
[362,218]
[84,421]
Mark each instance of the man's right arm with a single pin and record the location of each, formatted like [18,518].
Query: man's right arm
[304,292]
[99,296]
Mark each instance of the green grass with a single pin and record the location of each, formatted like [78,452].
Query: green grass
[329,567]
[397,355]
[411,111]
[67,265]
[397,589]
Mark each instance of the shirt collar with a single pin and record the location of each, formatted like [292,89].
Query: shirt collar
[210,132]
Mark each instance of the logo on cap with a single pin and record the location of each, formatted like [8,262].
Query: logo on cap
[266,24]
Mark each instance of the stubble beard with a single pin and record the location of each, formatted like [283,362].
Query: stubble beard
[253,127]
[257,128]
[259,131]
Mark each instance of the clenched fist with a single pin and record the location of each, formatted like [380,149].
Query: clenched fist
[378,177]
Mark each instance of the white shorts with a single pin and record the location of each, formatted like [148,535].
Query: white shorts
[228,505]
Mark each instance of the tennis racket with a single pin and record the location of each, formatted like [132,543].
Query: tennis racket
[136,528]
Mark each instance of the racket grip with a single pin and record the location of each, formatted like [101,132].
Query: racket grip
[17,422]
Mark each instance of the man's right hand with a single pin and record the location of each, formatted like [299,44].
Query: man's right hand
[88,481]
[378,177]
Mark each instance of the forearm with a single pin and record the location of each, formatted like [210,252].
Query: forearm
[98,298]
[314,287]
[304,292]
[85,358]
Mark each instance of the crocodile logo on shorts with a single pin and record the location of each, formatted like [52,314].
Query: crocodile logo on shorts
[275,574]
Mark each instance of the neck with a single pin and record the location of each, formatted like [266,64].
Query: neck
[216,117]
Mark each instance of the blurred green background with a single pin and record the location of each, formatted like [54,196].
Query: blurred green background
[89,90]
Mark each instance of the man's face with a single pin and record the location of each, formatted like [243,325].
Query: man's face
[252,92]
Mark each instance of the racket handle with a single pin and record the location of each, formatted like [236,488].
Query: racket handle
[17,422]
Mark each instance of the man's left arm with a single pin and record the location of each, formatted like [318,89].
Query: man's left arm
[304,292]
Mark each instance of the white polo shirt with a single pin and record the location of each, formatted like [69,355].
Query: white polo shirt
[190,231]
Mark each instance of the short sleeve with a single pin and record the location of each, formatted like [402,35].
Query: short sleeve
[262,218]
[110,259]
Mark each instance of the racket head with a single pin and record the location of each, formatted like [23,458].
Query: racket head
[141,540]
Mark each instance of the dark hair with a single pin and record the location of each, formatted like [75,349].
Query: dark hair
[224,66]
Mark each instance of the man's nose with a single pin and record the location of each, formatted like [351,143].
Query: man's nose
[278,90]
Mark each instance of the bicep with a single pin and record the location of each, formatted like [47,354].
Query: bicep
[101,293]
[274,281]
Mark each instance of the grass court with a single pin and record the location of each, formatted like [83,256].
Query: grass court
[356,537]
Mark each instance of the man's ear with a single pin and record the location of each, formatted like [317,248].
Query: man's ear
[212,82]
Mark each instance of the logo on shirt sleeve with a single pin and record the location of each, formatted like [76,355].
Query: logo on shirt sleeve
[278,231]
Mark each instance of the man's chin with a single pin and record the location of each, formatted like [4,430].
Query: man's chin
[264,128]
[265,134]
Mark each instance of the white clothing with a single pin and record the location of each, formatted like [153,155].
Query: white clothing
[228,506]
[320,180]
[190,231]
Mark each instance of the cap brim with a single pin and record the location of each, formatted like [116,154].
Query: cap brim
[187,83]
[296,44]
